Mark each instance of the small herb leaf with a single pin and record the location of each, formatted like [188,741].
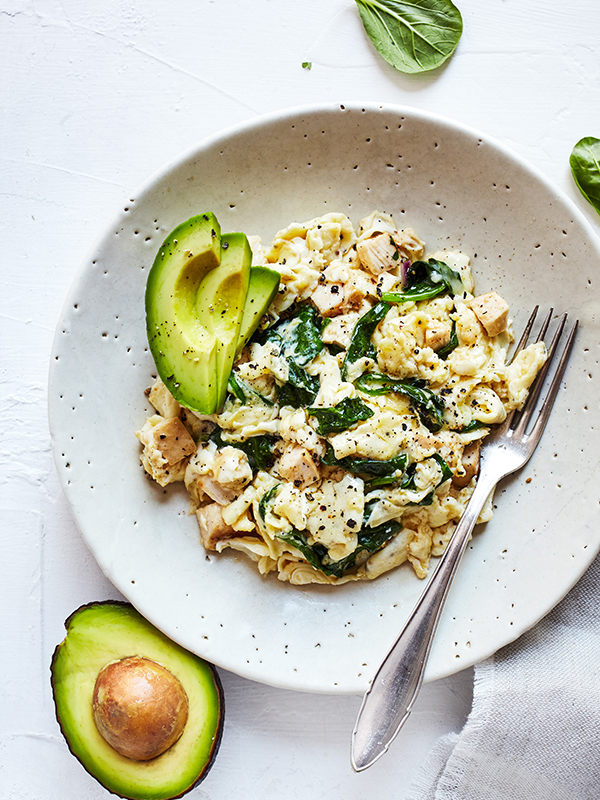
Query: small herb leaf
[412,35]
[585,166]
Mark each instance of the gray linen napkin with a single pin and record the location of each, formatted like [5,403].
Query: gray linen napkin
[534,729]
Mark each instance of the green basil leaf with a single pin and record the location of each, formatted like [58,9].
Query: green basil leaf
[412,36]
[341,417]
[585,166]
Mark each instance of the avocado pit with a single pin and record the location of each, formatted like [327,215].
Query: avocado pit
[140,708]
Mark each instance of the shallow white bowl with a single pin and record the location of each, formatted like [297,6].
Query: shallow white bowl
[458,189]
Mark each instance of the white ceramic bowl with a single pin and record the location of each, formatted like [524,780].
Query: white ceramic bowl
[458,189]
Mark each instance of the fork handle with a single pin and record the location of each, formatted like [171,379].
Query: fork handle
[393,691]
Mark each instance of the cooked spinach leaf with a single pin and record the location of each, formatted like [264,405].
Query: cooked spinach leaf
[474,425]
[301,388]
[244,393]
[368,466]
[585,166]
[408,482]
[369,539]
[259,449]
[266,498]
[347,413]
[299,339]
[298,336]
[445,351]
[360,343]
[428,405]
[426,280]
[414,36]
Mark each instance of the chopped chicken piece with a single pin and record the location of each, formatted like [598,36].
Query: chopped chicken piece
[382,252]
[437,334]
[173,440]
[167,445]
[214,490]
[470,463]
[163,401]
[329,299]
[231,468]
[296,465]
[358,286]
[378,253]
[196,426]
[339,330]
[410,247]
[212,526]
[492,311]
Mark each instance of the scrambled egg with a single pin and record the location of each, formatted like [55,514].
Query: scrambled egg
[349,442]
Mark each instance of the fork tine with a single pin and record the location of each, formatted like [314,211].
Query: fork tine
[525,334]
[545,324]
[548,402]
[534,393]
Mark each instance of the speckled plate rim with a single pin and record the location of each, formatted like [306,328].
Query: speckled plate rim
[439,666]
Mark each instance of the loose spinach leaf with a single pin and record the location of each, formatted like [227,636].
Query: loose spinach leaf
[428,405]
[368,466]
[585,166]
[341,417]
[369,539]
[360,343]
[259,449]
[445,351]
[412,36]
[426,280]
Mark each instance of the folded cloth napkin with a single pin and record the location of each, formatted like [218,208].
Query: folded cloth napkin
[534,729]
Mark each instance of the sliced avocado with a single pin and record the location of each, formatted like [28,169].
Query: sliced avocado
[184,351]
[220,305]
[99,634]
[264,284]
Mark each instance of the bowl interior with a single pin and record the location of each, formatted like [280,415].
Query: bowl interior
[457,189]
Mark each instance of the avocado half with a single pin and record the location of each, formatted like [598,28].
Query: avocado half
[105,632]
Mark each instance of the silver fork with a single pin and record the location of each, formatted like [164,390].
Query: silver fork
[394,689]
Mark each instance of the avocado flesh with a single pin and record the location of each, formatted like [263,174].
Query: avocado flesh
[184,351]
[220,305]
[263,286]
[103,632]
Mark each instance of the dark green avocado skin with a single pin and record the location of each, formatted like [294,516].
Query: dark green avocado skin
[95,637]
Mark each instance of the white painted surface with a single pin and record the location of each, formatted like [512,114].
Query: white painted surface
[94,98]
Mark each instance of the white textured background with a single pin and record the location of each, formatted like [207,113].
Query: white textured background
[94,97]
